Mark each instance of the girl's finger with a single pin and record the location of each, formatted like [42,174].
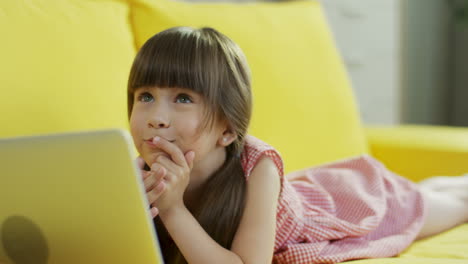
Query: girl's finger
[154,194]
[189,157]
[158,168]
[154,212]
[145,174]
[156,177]
[160,187]
[150,182]
[170,167]
[170,148]
[140,162]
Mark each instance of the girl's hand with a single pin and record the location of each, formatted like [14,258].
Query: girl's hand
[174,172]
[154,185]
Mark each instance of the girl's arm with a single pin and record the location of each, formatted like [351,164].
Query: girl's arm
[255,237]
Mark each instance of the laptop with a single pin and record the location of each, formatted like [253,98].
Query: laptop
[74,198]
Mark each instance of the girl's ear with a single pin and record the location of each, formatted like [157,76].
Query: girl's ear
[227,137]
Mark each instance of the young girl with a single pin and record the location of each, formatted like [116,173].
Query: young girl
[219,195]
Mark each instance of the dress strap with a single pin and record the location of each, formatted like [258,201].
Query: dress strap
[254,149]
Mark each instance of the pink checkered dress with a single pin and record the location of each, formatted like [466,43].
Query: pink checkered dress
[350,209]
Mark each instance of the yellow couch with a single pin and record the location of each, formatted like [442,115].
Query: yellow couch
[64,66]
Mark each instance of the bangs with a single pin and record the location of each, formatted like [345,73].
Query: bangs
[169,60]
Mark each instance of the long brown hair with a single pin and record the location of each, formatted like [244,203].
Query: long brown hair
[211,64]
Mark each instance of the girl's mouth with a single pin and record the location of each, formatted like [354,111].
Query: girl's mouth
[150,143]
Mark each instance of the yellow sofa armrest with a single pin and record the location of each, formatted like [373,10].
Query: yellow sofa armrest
[418,152]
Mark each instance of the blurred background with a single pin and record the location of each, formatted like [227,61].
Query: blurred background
[407,59]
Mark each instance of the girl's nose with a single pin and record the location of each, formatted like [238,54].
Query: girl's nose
[159,119]
[158,122]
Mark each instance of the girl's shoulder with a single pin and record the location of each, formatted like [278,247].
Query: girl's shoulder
[254,150]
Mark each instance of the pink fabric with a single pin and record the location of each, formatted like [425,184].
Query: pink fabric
[349,209]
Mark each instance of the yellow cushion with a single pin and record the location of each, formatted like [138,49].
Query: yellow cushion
[450,244]
[448,248]
[64,65]
[303,104]
[418,152]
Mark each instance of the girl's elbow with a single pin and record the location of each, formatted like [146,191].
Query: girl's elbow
[255,260]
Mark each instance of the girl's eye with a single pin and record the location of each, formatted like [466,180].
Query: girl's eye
[145,97]
[183,99]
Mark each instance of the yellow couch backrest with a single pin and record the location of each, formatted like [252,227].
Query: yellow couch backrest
[65,66]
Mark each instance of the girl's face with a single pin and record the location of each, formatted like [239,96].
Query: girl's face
[177,115]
